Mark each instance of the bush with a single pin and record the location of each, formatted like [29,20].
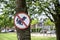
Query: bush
[36,29]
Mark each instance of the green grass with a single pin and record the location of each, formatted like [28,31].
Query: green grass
[8,36]
[43,38]
[12,36]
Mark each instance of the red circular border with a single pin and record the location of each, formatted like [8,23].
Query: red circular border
[21,13]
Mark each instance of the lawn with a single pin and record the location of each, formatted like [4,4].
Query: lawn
[43,38]
[8,36]
[12,36]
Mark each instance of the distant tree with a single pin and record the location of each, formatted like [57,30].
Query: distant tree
[50,8]
[47,22]
[1,22]
[34,21]
[8,11]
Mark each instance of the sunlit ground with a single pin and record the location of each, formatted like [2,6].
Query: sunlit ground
[12,36]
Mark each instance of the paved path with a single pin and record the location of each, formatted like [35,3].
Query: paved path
[38,34]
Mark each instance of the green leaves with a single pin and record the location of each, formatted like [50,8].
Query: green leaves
[34,21]
[7,10]
[1,20]
[48,22]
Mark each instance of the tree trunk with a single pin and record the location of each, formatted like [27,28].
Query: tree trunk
[5,29]
[57,24]
[22,34]
[57,19]
[0,29]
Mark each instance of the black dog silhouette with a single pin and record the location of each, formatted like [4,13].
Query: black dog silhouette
[19,21]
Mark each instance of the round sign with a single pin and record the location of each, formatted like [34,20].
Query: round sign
[21,20]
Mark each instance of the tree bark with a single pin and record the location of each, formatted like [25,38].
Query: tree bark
[0,29]
[57,24]
[57,19]
[5,29]
[22,34]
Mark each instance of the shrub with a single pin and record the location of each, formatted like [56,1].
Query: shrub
[36,29]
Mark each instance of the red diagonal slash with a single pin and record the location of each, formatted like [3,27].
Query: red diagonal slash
[21,20]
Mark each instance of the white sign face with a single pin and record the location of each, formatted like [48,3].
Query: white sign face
[22,20]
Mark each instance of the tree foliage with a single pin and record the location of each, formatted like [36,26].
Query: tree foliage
[34,21]
[48,23]
[8,11]
[51,8]
[39,6]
